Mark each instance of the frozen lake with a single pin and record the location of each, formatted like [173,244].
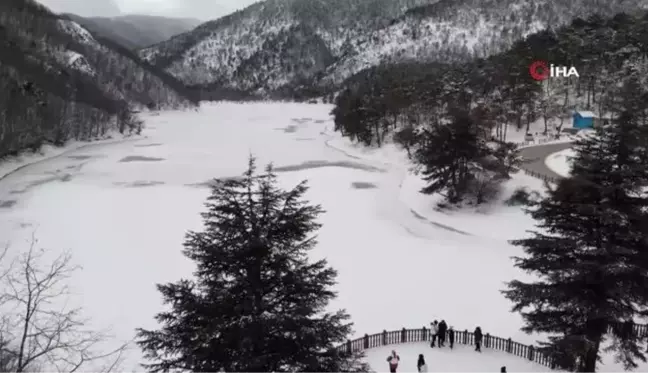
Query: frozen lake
[122,209]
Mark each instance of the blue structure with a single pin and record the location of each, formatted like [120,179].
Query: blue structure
[584,119]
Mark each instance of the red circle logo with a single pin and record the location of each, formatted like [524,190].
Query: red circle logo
[539,70]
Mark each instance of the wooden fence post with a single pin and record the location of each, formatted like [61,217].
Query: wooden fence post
[366,341]
[349,345]
[403,335]
[425,334]
[384,338]
[531,352]
[509,346]
[487,341]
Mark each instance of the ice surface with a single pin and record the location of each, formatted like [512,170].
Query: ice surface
[401,263]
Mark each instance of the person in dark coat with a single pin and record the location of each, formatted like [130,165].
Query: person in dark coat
[478,338]
[443,328]
[503,370]
[393,361]
[420,364]
[451,336]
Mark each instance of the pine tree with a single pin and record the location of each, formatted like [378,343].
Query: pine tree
[590,252]
[257,303]
[446,154]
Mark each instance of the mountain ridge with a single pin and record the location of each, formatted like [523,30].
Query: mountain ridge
[357,36]
[136,31]
[66,83]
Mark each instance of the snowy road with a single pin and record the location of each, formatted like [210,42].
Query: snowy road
[534,158]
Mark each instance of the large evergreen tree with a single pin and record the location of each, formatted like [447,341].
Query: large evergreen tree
[447,154]
[257,303]
[590,252]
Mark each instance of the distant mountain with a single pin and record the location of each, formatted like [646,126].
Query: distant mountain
[307,47]
[65,82]
[136,31]
[107,8]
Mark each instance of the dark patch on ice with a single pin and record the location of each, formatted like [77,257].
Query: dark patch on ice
[58,177]
[288,129]
[326,143]
[140,158]
[320,121]
[212,182]
[305,139]
[319,164]
[302,120]
[7,204]
[417,215]
[443,226]
[139,183]
[363,185]
[79,157]
[149,145]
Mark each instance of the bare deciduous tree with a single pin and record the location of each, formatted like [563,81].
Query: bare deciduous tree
[38,329]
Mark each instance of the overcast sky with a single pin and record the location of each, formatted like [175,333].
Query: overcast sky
[201,9]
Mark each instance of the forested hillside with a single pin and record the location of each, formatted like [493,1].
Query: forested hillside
[345,37]
[417,102]
[61,82]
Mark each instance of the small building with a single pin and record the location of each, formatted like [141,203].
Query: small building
[585,119]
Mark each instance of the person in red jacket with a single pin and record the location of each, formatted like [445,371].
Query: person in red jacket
[393,360]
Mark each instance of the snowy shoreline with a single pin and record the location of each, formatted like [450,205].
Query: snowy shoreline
[10,165]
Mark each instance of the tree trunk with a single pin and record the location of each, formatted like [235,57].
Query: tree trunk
[545,123]
[595,331]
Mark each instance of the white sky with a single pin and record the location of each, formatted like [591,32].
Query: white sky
[201,9]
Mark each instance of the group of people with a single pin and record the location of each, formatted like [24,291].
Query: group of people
[394,359]
[439,331]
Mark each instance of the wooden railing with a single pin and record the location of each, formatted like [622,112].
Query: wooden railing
[539,175]
[465,337]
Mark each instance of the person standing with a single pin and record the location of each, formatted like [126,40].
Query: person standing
[451,337]
[434,330]
[422,367]
[478,338]
[393,360]
[503,370]
[443,328]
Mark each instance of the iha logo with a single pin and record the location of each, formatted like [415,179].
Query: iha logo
[541,70]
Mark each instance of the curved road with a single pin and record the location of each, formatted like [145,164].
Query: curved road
[533,158]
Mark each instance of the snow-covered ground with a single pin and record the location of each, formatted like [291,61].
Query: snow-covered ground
[560,162]
[460,359]
[122,209]
[465,359]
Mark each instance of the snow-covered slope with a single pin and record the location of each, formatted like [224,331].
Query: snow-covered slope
[72,59]
[120,74]
[226,51]
[356,35]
